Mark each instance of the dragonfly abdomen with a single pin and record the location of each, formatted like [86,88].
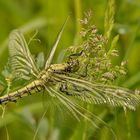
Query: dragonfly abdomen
[33,87]
[39,84]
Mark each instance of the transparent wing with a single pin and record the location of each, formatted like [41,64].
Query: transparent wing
[94,93]
[49,60]
[75,108]
[21,60]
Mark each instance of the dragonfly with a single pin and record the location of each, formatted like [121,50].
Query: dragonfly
[61,81]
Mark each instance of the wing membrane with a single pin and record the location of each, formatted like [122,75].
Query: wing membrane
[21,60]
[74,108]
[49,60]
[98,93]
[77,110]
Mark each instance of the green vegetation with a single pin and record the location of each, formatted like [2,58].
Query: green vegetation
[42,117]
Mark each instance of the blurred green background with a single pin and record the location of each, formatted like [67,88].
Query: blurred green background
[21,120]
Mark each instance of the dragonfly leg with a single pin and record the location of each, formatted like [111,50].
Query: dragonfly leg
[76,54]
[64,88]
[85,71]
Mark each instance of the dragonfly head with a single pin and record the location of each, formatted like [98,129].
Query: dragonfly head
[73,65]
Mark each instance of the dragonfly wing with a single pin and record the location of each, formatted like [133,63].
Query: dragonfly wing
[74,107]
[95,93]
[49,60]
[21,60]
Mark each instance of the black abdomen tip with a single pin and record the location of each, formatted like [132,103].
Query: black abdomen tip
[0,101]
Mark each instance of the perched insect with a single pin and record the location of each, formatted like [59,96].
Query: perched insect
[62,81]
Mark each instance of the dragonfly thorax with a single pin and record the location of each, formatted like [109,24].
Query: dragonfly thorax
[58,68]
[54,68]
